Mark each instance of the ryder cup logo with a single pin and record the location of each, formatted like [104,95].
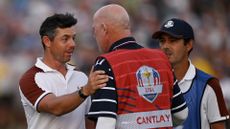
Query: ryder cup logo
[169,24]
[149,85]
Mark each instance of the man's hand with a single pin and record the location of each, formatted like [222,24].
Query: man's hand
[97,79]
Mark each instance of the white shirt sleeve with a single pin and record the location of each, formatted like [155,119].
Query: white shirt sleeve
[106,123]
[88,104]
[180,117]
[210,108]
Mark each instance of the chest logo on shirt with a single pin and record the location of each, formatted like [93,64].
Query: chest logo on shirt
[149,84]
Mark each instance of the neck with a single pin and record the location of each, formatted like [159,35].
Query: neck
[54,64]
[181,69]
[118,35]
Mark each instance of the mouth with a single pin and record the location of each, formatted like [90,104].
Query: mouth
[168,53]
[69,53]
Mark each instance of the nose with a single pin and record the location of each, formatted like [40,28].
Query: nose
[72,43]
[163,44]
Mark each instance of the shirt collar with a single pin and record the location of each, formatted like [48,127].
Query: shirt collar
[191,72]
[40,64]
[122,43]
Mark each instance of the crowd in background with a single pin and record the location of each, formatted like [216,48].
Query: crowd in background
[20,42]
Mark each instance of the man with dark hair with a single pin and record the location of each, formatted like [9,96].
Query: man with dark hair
[53,93]
[202,91]
[140,92]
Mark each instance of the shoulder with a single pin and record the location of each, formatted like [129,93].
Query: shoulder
[80,74]
[101,63]
[156,51]
[77,72]
[29,74]
[215,86]
[28,85]
[101,60]
[203,75]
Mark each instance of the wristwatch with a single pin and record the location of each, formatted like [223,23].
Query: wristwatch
[81,94]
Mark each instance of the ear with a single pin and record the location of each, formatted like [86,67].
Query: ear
[189,45]
[104,28]
[46,41]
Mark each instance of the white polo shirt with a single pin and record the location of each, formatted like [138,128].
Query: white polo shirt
[41,80]
[210,111]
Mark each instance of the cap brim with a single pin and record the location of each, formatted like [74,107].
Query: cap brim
[158,34]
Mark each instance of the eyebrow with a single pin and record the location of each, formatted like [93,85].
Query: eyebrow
[68,35]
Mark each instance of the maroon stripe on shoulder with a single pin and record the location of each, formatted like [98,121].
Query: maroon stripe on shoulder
[214,83]
[28,85]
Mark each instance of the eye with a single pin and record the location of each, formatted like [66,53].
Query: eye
[173,40]
[74,38]
[64,38]
[161,41]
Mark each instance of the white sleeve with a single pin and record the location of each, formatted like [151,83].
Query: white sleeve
[212,108]
[106,123]
[180,117]
[88,104]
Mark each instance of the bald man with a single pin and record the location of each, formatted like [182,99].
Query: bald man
[139,93]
